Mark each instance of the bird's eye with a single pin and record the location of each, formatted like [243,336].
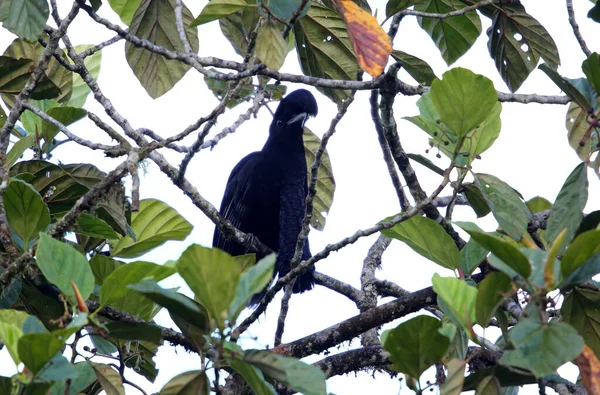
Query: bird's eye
[279,124]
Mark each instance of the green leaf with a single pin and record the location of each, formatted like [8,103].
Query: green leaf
[80,88]
[567,210]
[36,349]
[583,247]
[154,224]
[580,310]
[134,331]
[516,42]
[285,9]
[566,86]
[25,18]
[84,377]
[325,180]
[463,99]
[58,368]
[582,142]
[456,377]
[293,373]
[453,36]
[192,382]
[415,345]
[459,297]
[102,266]
[64,115]
[61,264]
[476,200]
[109,379]
[213,275]
[416,67]
[19,148]
[154,20]
[94,227]
[427,238]
[252,281]
[471,255]
[591,68]
[115,285]
[537,204]
[217,9]
[253,377]
[14,74]
[125,9]
[426,162]
[26,212]
[10,331]
[490,385]
[394,6]
[271,48]
[505,251]
[583,273]
[324,49]
[545,347]
[509,210]
[594,13]
[490,295]
[237,27]
[175,303]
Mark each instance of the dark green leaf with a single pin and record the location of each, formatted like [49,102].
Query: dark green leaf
[192,382]
[36,349]
[14,74]
[324,49]
[109,379]
[252,281]
[25,18]
[459,297]
[237,27]
[509,210]
[427,238]
[26,212]
[506,376]
[10,292]
[58,368]
[583,247]
[217,9]
[154,20]
[61,264]
[253,377]
[476,200]
[589,222]
[427,163]
[545,347]
[213,275]
[567,210]
[102,266]
[594,13]
[566,87]
[394,6]
[293,373]
[471,255]
[325,182]
[415,345]
[64,115]
[134,331]
[453,36]
[95,227]
[583,273]
[580,309]
[490,294]
[154,224]
[591,68]
[416,67]
[285,9]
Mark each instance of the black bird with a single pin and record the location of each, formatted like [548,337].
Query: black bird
[266,191]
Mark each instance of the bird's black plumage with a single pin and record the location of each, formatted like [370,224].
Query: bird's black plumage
[266,191]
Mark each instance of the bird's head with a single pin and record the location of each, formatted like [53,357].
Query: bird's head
[294,110]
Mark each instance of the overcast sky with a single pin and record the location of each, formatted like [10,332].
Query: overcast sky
[532,155]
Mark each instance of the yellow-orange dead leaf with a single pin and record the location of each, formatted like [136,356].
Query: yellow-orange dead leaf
[80,302]
[371,43]
[589,369]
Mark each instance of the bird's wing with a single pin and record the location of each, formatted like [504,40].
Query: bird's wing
[292,203]
[232,206]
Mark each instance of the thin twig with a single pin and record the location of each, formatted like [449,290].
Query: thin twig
[285,305]
[575,28]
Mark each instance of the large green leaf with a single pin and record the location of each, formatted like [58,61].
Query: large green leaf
[567,210]
[324,49]
[217,9]
[416,67]
[80,88]
[125,9]
[459,297]
[154,224]
[584,246]
[19,148]
[490,293]
[192,382]
[271,47]
[252,281]
[583,273]
[25,18]
[453,36]
[516,42]
[36,349]
[109,379]
[415,345]
[591,68]
[545,347]
[64,115]
[427,238]
[394,6]
[325,181]
[115,285]
[14,74]
[463,100]
[61,264]
[509,210]
[293,373]
[471,255]
[567,86]
[213,275]
[580,309]
[26,212]
[154,20]
[92,226]
[237,27]
[252,376]
[102,266]
[11,322]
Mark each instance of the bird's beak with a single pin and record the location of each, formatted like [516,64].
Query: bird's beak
[302,117]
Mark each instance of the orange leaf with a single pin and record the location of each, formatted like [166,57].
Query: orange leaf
[589,369]
[80,302]
[371,43]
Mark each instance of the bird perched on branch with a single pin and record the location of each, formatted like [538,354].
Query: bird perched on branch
[266,191]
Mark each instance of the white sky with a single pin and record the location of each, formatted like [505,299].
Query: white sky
[532,155]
